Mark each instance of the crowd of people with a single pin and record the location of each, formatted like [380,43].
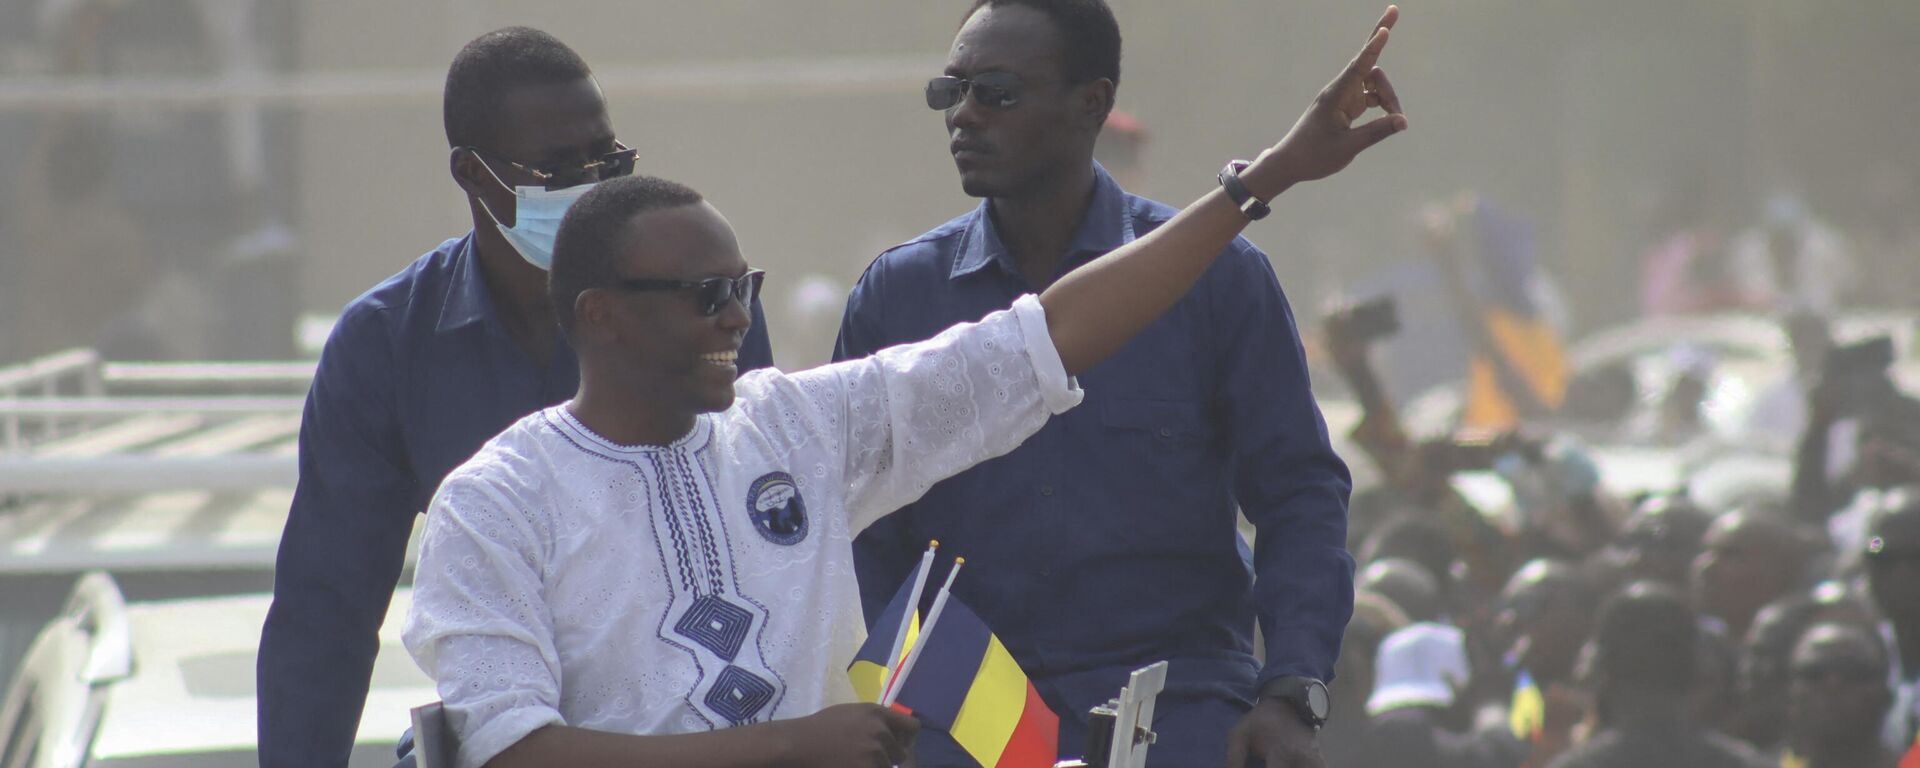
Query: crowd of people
[1777,624]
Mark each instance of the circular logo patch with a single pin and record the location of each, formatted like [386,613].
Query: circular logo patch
[778,512]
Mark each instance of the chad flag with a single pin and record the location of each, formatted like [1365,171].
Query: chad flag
[965,682]
[888,640]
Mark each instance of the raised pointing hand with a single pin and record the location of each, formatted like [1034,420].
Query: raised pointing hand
[1325,139]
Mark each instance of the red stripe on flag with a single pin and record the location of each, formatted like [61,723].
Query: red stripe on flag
[1035,742]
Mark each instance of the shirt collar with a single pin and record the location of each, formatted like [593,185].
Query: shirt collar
[1106,225]
[467,299]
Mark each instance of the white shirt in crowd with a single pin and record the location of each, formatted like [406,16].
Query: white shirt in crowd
[564,579]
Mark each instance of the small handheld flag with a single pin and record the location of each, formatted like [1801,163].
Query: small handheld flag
[969,685]
[891,636]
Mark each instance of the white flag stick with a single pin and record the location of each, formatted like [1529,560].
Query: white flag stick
[926,631]
[913,607]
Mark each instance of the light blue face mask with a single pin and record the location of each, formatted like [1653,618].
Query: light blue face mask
[536,218]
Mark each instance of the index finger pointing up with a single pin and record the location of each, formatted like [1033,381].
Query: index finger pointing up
[1376,42]
[1369,54]
[1387,19]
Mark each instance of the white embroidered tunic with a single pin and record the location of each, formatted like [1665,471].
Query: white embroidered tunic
[564,579]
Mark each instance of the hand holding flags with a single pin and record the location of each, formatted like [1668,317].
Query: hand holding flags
[892,635]
[968,684]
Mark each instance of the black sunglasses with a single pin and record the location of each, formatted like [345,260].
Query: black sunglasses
[611,165]
[998,90]
[712,293]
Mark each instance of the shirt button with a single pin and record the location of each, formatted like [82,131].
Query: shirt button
[1166,431]
[1046,490]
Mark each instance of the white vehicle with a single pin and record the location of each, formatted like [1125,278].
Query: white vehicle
[1749,357]
[111,684]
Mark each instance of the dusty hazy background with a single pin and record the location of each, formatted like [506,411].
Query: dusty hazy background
[184,178]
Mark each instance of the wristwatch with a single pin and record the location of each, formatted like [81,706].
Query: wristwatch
[1308,696]
[1254,208]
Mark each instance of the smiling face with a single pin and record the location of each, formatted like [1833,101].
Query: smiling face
[1011,149]
[664,351]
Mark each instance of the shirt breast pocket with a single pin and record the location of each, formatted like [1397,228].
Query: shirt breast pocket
[1163,427]
[1160,475]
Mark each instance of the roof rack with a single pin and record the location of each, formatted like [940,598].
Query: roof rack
[73,423]
[145,465]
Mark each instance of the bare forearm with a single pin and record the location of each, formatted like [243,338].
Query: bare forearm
[1097,308]
[751,746]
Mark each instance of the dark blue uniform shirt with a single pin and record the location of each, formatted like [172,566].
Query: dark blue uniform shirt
[418,374]
[1108,540]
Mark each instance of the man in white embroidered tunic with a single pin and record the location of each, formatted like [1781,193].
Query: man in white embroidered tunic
[659,572]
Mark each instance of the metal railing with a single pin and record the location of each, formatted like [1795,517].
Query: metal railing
[71,423]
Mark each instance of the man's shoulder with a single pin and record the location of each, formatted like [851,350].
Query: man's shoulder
[375,318]
[421,282]
[519,457]
[931,249]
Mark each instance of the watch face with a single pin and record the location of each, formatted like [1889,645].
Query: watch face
[1317,700]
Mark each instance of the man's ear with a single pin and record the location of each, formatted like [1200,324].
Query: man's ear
[1096,101]
[593,313]
[464,165]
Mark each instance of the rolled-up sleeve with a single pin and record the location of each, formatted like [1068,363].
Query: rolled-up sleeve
[915,414]
[479,624]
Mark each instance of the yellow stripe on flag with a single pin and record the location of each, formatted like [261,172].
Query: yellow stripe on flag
[993,705]
[913,636]
[867,678]
[870,679]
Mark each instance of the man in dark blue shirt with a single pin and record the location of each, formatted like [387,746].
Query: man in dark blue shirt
[425,368]
[1108,540]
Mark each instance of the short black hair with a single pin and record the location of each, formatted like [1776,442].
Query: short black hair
[1637,636]
[1415,536]
[494,63]
[585,252]
[1407,584]
[1089,35]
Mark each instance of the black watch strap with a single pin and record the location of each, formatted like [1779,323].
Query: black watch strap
[1308,697]
[1254,208]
